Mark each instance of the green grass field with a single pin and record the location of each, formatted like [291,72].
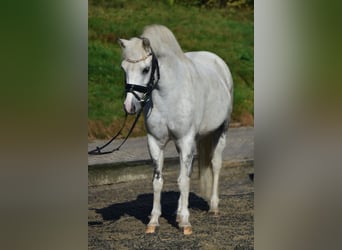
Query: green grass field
[228,32]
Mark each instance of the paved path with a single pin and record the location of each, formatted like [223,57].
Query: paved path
[240,147]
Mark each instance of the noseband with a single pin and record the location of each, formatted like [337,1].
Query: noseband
[151,85]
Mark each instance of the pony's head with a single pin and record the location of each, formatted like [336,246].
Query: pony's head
[138,64]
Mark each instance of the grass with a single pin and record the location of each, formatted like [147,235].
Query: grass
[226,32]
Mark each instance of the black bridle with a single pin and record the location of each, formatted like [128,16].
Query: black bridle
[132,88]
[150,86]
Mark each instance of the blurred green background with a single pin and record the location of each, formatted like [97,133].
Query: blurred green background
[223,27]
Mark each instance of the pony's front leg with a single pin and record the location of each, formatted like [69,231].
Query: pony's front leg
[157,154]
[186,147]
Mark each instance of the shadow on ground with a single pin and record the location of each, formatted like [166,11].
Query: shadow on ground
[141,207]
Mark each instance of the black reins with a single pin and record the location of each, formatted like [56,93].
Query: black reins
[132,88]
[97,150]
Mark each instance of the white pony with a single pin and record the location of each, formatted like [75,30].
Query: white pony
[185,97]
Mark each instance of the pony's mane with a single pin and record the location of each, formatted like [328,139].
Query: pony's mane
[162,40]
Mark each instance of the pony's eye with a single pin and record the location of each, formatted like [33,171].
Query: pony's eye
[146,70]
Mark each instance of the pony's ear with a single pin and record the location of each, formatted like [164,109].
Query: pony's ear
[122,43]
[146,44]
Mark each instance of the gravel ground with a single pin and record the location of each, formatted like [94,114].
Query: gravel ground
[118,214]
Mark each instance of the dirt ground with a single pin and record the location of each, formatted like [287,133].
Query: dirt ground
[118,214]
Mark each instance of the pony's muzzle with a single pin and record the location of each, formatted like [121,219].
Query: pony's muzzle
[131,106]
[129,109]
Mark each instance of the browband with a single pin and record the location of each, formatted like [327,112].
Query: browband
[138,60]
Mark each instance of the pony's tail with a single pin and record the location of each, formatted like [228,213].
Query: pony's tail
[204,151]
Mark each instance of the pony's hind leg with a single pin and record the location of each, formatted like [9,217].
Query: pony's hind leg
[157,155]
[186,146]
[216,162]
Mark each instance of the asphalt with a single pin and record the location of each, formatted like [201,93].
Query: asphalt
[239,149]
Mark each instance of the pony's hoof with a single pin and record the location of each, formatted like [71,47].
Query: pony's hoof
[187,230]
[150,229]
